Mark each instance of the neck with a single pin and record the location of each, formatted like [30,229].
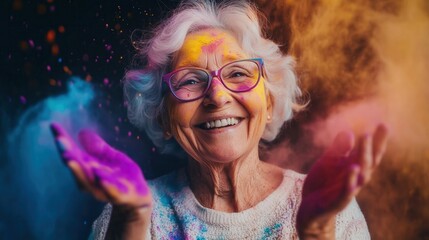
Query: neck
[234,186]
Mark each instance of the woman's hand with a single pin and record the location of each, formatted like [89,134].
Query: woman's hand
[109,175]
[335,179]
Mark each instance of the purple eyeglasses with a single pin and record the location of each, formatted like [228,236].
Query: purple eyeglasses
[191,83]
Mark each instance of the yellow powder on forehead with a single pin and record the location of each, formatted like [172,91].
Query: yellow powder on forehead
[206,42]
[206,37]
[198,43]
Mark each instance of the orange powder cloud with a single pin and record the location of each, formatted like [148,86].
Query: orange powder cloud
[363,62]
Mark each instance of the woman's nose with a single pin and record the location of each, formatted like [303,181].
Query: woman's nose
[217,95]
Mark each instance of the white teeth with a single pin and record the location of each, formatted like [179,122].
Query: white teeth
[218,123]
[221,123]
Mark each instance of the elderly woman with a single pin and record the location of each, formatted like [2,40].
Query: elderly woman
[212,87]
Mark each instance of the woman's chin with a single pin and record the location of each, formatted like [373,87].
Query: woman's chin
[226,155]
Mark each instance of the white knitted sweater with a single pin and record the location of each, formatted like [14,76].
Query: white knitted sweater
[178,215]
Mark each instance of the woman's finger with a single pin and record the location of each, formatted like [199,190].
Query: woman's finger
[364,158]
[85,179]
[341,146]
[64,143]
[79,174]
[348,188]
[354,184]
[94,145]
[111,184]
[380,143]
[87,183]
[123,189]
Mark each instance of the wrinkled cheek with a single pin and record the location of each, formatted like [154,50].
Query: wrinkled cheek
[180,120]
[256,106]
[178,115]
[182,135]
[187,140]
[178,126]
[258,126]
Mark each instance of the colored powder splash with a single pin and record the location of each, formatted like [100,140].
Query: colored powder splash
[364,62]
[40,198]
[211,47]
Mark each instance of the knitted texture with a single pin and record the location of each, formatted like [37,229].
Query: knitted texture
[178,215]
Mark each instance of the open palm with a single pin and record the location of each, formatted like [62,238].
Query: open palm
[106,173]
[336,178]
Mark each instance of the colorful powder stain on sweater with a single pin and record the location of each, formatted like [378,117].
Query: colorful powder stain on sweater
[177,214]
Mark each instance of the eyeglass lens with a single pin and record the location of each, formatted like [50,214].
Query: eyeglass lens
[191,83]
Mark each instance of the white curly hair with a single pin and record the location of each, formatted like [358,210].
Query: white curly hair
[143,88]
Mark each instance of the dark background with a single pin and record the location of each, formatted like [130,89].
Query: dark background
[43,45]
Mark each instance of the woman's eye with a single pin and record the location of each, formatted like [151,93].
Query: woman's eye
[188,82]
[238,74]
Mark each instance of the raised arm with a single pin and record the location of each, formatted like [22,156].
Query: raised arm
[335,179]
[110,176]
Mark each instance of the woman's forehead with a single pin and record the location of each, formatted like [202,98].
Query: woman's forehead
[205,42]
[206,37]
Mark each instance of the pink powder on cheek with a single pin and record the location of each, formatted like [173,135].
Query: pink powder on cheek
[211,47]
[243,88]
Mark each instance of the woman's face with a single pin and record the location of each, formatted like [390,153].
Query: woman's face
[211,49]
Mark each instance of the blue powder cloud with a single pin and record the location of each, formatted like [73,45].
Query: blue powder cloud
[39,197]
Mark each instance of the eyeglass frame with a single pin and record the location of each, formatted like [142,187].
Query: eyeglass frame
[215,73]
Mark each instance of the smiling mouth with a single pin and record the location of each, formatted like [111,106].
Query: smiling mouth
[220,123]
